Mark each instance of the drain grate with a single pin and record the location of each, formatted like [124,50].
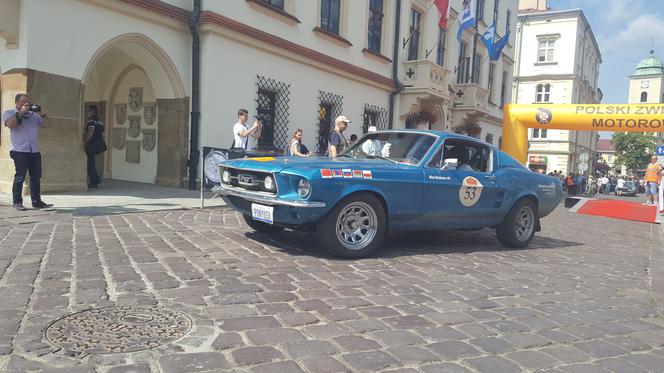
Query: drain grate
[117,329]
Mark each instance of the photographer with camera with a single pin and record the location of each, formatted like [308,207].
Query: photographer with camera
[23,123]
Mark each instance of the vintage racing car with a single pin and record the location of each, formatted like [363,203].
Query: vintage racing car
[392,180]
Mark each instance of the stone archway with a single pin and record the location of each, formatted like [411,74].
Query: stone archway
[146,110]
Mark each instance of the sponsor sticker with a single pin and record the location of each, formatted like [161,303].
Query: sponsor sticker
[367,174]
[326,174]
[470,191]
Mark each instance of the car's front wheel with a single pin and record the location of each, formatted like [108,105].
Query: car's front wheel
[354,227]
[518,227]
[261,227]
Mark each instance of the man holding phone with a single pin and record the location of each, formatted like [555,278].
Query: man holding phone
[242,132]
[24,122]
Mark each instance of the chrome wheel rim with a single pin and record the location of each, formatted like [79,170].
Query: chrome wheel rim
[524,223]
[356,226]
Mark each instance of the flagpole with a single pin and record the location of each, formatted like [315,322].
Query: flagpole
[405,41]
[472,65]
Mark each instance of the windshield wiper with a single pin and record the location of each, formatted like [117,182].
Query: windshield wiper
[347,155]
[381,157]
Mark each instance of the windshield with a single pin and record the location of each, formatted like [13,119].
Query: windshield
[629,184]
[402,147]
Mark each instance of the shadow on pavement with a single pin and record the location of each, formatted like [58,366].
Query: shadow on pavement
[406,243]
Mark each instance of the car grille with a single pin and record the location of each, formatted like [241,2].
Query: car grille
[248,180]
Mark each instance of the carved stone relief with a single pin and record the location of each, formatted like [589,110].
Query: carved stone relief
[133,153]
[150,112]
[149,139]
[135,98]
[134,125]
[119,137]
[120,113]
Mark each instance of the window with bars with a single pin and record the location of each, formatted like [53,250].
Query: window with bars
[329,15]
[440,56]
[414,42]
[272,106]
[329,107]
[539,133]
[477,68]
[275,3]
[374,116]
[543,93]
[545,49]
[375,31]
[492,71]
[462,67]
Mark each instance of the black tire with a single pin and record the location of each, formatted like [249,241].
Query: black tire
[518,227]
[353,212]
[261,227]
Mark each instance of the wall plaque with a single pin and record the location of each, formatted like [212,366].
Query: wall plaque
[149,139]
[120,113]
[134,125]
[119,137]
[135,98]
[133,153]
[150,112]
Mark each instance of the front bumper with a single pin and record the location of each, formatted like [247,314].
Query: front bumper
[264,198]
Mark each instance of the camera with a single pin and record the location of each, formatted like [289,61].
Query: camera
[34,107]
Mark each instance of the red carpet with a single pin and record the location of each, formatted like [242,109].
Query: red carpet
[620,210]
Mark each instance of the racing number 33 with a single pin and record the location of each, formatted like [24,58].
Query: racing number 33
[470,191]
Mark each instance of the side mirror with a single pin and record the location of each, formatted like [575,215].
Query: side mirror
[450,164]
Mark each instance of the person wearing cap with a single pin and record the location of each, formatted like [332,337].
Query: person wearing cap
[372,147]
[337,140]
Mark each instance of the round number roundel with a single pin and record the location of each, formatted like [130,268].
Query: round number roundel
[470,191]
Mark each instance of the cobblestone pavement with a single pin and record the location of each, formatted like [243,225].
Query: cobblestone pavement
[585,297]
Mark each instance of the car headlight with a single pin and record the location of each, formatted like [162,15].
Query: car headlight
[303,188]
[226,177]
[268,183]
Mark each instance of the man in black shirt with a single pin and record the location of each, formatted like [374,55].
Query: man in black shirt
[337,140]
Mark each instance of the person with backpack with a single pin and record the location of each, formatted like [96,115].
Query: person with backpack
[296,148]
[93,143]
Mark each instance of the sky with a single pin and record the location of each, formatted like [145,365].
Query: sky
[624,30]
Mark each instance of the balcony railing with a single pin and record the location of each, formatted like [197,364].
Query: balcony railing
[471,94]
[428,76]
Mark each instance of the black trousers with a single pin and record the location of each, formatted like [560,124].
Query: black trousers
[93,178]
[26,162]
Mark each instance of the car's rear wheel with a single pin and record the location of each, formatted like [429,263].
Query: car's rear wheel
[261,227]
[354,227]
[518,227]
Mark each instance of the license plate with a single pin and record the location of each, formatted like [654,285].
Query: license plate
[262,213]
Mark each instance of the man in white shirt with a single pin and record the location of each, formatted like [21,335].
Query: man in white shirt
[620,183]
[605,185]
[372,147]
[242,132]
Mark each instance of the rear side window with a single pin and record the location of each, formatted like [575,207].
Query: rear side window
[469,155]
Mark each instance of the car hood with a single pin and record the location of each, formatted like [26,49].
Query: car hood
[277,164]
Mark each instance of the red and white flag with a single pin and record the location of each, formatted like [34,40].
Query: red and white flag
[444,9]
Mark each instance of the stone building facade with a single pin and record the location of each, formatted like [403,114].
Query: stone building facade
[291,63]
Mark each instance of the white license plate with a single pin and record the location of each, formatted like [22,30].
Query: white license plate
[262,213]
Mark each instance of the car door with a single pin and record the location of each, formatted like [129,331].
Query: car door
[461,197]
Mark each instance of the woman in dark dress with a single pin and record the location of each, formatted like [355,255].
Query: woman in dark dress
[94,138]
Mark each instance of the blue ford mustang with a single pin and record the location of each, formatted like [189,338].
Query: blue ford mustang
[396,180]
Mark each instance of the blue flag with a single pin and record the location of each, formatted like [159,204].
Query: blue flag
[466,19]
[498,46]
[489,37]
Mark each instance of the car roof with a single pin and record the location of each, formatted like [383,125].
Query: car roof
[441,134]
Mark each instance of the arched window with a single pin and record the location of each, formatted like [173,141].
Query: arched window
[644,96]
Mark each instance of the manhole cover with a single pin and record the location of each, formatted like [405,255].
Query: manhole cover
[117,329]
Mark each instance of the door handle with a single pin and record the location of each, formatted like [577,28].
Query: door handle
[490,177]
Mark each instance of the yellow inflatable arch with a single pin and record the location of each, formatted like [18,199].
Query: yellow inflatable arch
[606,117]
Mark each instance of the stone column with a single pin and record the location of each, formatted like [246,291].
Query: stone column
[172,141]
[63,160]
